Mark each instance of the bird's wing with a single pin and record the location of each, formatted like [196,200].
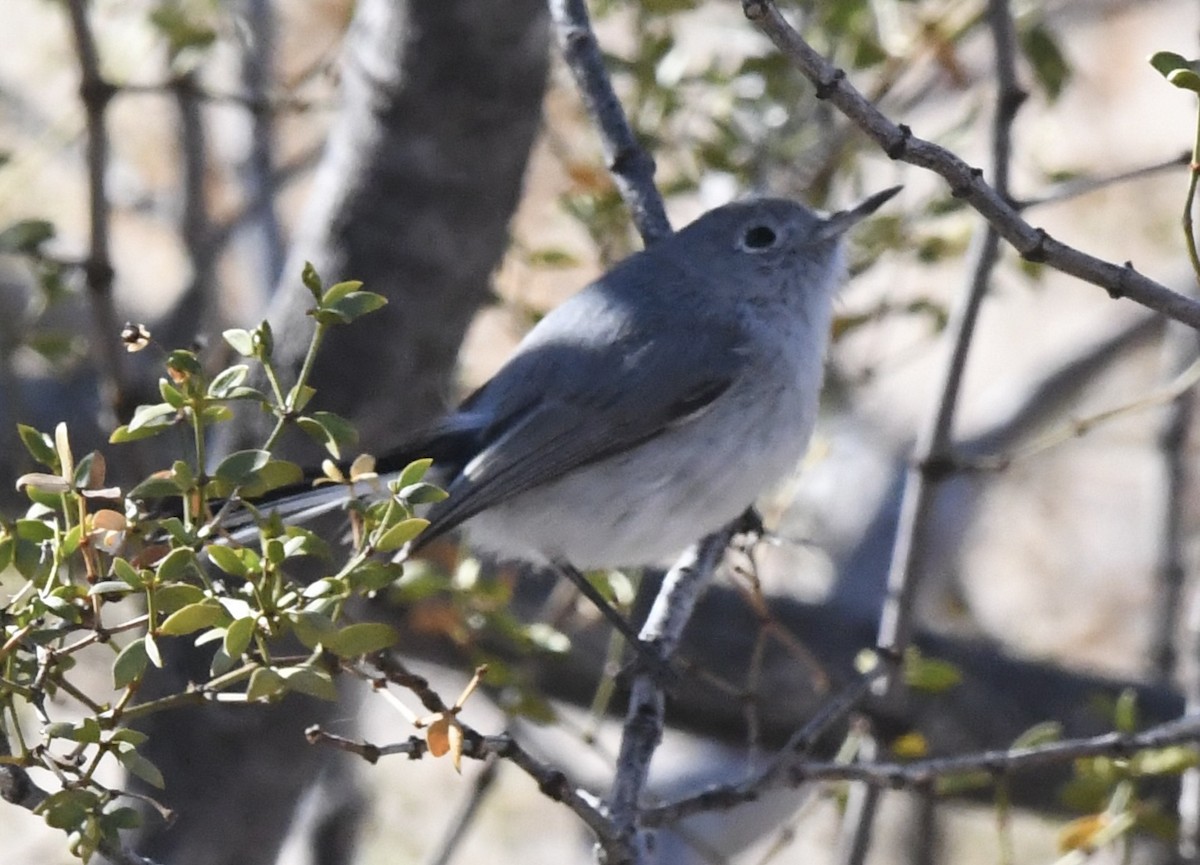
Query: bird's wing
[583,405]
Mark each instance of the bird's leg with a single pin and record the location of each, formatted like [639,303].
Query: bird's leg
[648,654]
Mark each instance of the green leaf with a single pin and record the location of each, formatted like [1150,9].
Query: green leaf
[193,617]
[311,280]
[132,737]
[362,639]
[227,381]
[340,290]
[265,684]
[171,395]
[127,574]
[413,473]
[1125,713]
[1178,70]
[227,560]
[180,29]
[122,817]
[110,587]
[139,766]
[221,662]
[152,651]
[272,476]
[422,494]
[330,430]
[373,575]
[66,809]
[1039,734]
[130,664]
[26,236]
[306,680]
[313,629]
[157,486]
[1050,66]
[400,534]
[241,466]
[154,415]
[214,414]
[39,445]
[238,636]
[355,305]
[929,674]
[168,599]
[175,564]
[33,530]
[240,341]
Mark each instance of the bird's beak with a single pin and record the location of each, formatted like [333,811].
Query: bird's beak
[841,222]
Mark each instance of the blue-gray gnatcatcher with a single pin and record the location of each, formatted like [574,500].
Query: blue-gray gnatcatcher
[652,407]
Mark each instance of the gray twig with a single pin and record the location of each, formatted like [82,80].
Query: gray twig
[96,92]
[966,182]
[644,717]
[631,166]
[258,169]
[920,774]
[1181,349]
[934,448]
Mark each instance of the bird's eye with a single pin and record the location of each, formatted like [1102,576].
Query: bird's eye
[758,238]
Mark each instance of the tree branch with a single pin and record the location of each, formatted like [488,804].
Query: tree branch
[96,93]
[966,182]
[631,166]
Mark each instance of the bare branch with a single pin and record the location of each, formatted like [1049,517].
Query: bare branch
[96,93]
[631,166]
[645,715]
[966,182]
[921,774]
[1181,347]
[934,448]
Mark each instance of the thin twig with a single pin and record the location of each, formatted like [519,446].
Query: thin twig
[96,92]
[631,166]
[1181,348]
[966,182]
[771,776]
[644,718]
[920,774]
[550,780]
[1079,186]
[257,170]
[934,448]
[192,313]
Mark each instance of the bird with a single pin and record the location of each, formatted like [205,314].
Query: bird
[649,409]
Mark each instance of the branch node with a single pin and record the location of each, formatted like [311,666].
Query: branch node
[898,148]
[962,190]
[1037,251]
[1117,291]
[1011,100]
[96,92]
[825,88]
[553,785]
[755,10]
[938,466]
